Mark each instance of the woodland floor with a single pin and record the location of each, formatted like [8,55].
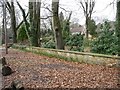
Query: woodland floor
[37,71]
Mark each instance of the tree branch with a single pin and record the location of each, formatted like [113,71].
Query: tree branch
[8,6]
[64,9]
[83,8]
[25,20]
[21,22]
[46,17]
[47,9]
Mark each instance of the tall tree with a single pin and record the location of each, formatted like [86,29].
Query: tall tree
[2,33]
[38,21]
[92,28]
[87,7]
[118,25]
[65,25]
[56,25]
[33,24]
[11,9]
[32,28]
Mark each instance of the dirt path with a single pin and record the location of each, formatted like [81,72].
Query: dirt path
[40,71]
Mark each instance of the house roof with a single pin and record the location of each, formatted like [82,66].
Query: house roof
[77,29]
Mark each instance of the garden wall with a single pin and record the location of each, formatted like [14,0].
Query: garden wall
[81,57]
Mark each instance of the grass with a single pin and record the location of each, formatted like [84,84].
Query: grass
[44,52]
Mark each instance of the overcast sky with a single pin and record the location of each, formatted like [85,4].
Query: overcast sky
[102,9]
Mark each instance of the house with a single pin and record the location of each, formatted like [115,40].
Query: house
[76,29]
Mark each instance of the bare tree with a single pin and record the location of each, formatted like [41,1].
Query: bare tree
[33,27]
[87,7]
[5,27]
[38,21]
[56,25]
[118,25]
[3,32]
[11,9]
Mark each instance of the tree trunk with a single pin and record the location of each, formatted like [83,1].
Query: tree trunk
[118,25]
[26,22]
[11,10]
[38,21]
[3,32]
[13,22]
[34,9]
[87,6]
[87,30]
[32,28]
[56,25]
[33,24]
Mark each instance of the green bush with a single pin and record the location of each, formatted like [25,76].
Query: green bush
[75,42]
[48,42]
[22,33]
[106,42]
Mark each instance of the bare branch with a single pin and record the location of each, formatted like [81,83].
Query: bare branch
[24,18]
[47,9]
[21,22]
[8,6]
[69,16]
[83,7]
[46,17]
[92,5]
[64,9]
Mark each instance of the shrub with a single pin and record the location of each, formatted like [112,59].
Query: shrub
[106,42]
[48,42]
[22,33]
[75,42]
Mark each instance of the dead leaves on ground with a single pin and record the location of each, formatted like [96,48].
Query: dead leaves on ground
[40,71]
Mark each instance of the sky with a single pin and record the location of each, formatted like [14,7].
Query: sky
[102,10]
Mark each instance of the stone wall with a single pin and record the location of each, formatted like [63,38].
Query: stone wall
[81,57]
